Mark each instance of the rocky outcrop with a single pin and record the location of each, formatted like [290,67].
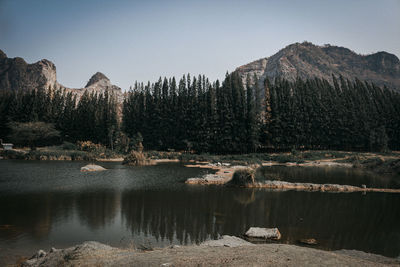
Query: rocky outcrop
[16,74]
[61,257]
[306,61]
[92,168]
[263,233]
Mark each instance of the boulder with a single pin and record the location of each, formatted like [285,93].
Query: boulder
[92,168]
[263,233]
[39,254]
[227,241]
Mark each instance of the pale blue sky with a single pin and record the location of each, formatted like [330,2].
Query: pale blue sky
[142,40]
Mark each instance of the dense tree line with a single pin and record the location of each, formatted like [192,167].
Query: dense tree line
[345,116]
[93,118]
[193,114]
[232,117]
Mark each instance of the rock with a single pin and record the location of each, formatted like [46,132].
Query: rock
[92,168]
[308,61]
[64,257]
[227,241]
[38,254]
[207,180]
[16,74]
[264,233]
[308,241]
[53,250]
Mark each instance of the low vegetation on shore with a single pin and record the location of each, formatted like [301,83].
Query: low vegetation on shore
[382,162]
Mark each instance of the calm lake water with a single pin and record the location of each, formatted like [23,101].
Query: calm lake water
[53,204]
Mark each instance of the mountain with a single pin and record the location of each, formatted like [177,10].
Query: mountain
[306,60]
[16,74]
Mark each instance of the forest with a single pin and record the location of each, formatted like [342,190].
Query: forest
[195,115]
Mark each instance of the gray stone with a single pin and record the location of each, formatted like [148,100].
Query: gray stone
[17,74]
[304,60]
[92,168]
[264,233]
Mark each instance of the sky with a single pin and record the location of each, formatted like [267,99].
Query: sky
[143,40]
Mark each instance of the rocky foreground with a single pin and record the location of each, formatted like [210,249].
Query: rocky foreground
[229,250]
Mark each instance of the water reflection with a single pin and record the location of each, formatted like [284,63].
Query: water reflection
[333,175]
[182,214]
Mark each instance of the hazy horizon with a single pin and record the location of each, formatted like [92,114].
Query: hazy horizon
[130,40]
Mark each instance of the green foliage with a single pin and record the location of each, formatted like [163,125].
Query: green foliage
[33,133]
[12,154]
[194,115]
[93,118]
[69,146]
[242,177]
[135,158]
[201,117]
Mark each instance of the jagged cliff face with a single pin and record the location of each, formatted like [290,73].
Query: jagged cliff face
[16,74]
[307,61]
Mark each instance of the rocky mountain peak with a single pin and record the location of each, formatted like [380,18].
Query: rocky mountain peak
[308,61]
[2,54]
[98,76]
[17,74]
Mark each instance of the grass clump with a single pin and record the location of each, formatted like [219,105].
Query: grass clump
[69,146]
[136,158]
[243,177]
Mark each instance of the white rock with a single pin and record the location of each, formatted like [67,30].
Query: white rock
[92,168]
[265,233]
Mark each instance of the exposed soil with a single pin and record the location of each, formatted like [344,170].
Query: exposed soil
[96,254]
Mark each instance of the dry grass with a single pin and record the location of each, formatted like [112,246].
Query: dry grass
[136,158]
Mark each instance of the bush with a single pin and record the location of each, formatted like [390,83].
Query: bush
[69,146]
[89,146]
[136,158]
[242,177]
[12,154]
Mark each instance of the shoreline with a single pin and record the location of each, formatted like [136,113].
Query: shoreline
[227,251]
[225,173]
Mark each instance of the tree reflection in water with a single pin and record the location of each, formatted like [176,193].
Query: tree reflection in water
[173,212]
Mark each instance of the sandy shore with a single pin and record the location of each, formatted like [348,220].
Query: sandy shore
[209,254]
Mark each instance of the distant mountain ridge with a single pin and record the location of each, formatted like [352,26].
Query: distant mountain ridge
[306,61]
[16,74]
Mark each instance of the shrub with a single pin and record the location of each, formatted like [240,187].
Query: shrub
[69,146]
[242,177]
[12,154]
[136,158]
[89,146]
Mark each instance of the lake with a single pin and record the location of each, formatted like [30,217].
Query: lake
[53,204]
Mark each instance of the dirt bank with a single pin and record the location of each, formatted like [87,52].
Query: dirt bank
[281,185]
[97,254]
[224,174]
